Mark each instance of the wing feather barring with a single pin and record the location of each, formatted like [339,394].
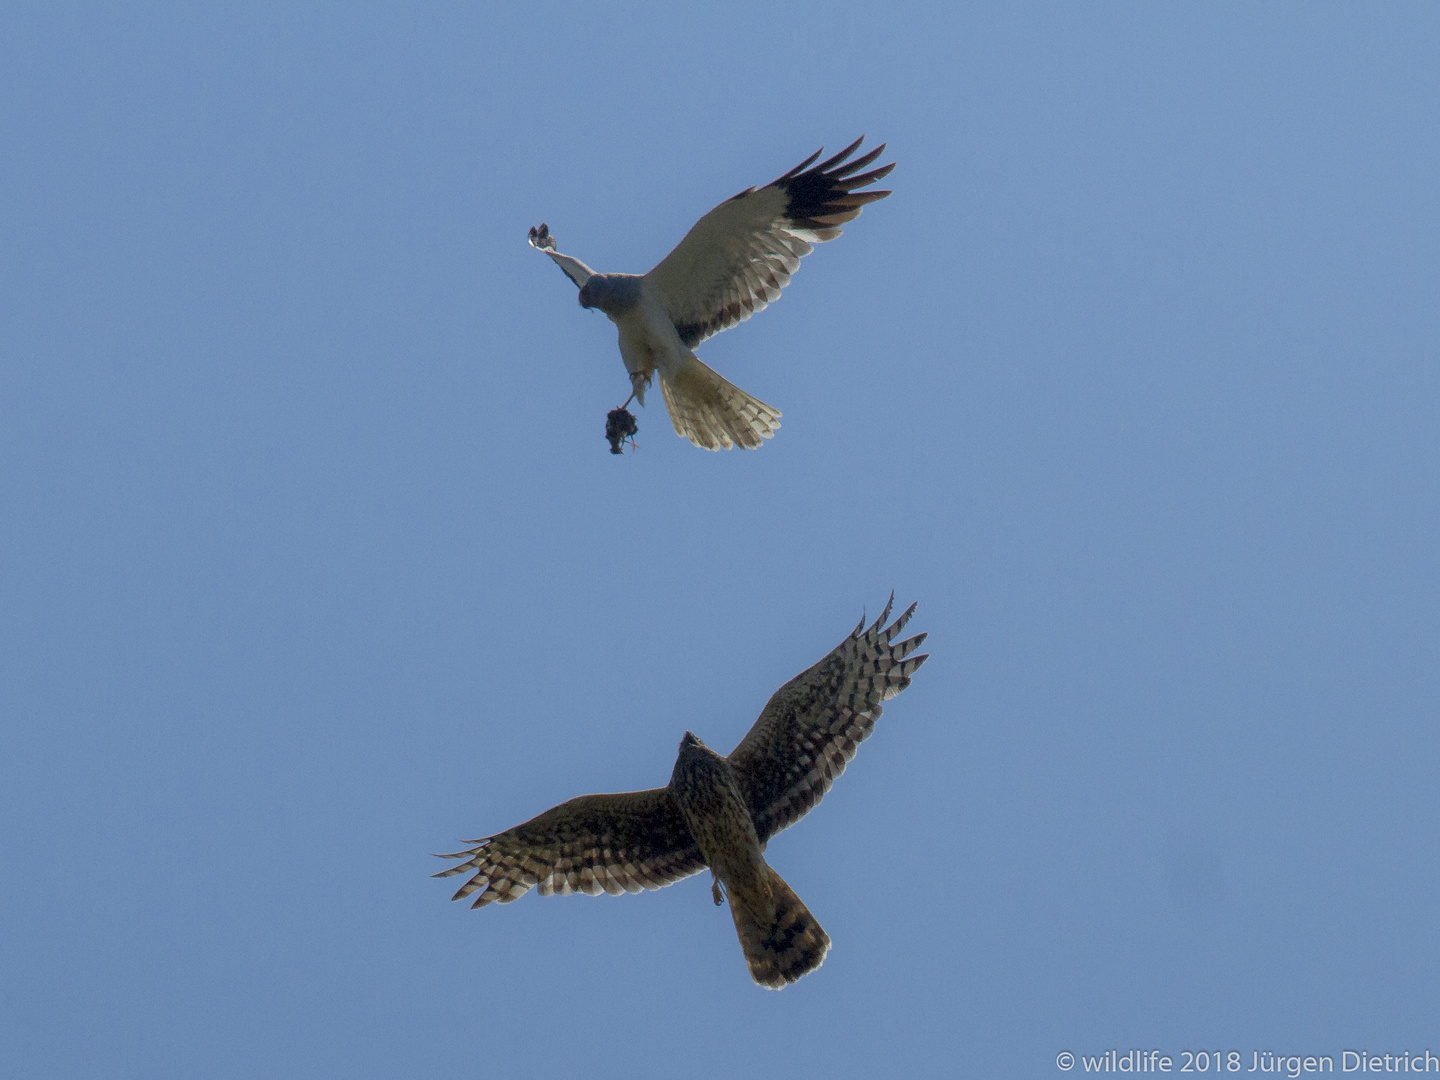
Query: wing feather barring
[716,812]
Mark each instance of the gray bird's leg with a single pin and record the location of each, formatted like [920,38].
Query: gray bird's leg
[639,380]
[717,891]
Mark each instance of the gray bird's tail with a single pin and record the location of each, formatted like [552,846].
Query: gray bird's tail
[791,946]
[714,413]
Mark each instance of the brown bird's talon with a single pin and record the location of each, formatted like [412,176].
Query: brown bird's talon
[717,893]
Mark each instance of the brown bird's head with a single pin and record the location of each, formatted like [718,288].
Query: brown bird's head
[695,764]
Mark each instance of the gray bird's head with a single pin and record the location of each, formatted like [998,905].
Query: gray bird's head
[611,293]
[688,741]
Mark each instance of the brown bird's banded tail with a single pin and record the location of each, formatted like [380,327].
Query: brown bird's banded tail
[792,946]
[714,413]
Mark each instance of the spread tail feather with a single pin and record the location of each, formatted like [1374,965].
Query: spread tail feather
[791,946]
[714,413]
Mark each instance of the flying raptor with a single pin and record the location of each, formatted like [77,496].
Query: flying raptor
[732,263]
[716,811]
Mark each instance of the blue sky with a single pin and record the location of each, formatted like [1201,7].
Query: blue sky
[314,560]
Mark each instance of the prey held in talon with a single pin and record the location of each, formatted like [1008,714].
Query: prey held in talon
[732,263]
[620,428]
[716,812]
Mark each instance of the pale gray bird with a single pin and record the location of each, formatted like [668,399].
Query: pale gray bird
[716,811]
[732,263]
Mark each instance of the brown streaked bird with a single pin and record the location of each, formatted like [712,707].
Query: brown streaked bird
[732,263]
[716,812]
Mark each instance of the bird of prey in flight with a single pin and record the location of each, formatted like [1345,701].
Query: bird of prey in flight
[716,811]
[732,263]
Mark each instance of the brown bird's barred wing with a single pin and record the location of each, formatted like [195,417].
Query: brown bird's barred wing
[593,844]
[813,724]
[735,260]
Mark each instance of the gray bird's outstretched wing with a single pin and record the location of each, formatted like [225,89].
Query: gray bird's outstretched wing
[735,260]
[575,270]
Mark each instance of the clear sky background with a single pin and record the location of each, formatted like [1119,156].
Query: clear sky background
[313,559]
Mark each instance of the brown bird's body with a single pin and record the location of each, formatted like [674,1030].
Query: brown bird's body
[716,811]
[781,939]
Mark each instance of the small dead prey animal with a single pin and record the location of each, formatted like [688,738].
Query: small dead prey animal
[619,426]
